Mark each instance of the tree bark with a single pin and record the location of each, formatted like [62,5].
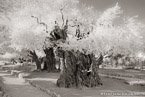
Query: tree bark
[35,59]
[79,70]
[50,62]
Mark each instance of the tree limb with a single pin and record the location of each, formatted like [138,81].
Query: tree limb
[61,11]
[36,18]
[41,23]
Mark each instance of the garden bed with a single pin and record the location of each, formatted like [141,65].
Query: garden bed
[41,81]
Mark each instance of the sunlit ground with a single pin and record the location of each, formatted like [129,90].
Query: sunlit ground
[110,84]
[114,81]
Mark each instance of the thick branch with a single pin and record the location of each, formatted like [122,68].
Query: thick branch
[61,11]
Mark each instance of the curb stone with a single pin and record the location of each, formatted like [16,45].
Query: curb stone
[114,76]
[118,75]
[49,92]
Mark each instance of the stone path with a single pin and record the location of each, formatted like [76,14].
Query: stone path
[17,87]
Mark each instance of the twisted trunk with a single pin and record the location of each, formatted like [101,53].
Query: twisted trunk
[36,59]
[79,70]
[49,64]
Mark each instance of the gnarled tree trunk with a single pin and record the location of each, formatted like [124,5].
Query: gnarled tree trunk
[36,59]
[79,70]
[50,62]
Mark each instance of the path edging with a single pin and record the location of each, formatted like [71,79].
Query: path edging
[49,92]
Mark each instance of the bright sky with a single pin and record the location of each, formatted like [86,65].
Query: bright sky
[129,7]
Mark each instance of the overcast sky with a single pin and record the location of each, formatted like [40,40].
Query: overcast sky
[129,7]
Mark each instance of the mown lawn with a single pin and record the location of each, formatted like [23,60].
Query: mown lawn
[48,81]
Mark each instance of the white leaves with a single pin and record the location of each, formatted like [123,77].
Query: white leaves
[27,33]
[134,25]
[9,55]
[40,53]
[122,38]
[109,15]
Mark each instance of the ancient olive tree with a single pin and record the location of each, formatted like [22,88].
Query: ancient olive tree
[87,42]
[32,24]
[79,36]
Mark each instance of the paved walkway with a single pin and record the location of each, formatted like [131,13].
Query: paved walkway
[17,87]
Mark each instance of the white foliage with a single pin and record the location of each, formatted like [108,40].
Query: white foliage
[9,55]
[109,16]
[123,38]
[40,53]
[134,26]
[26,33]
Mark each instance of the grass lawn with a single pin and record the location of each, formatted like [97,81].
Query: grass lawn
[48,80]
[124,72]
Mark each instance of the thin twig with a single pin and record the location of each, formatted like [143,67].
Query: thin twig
[36,18]
[41,23]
